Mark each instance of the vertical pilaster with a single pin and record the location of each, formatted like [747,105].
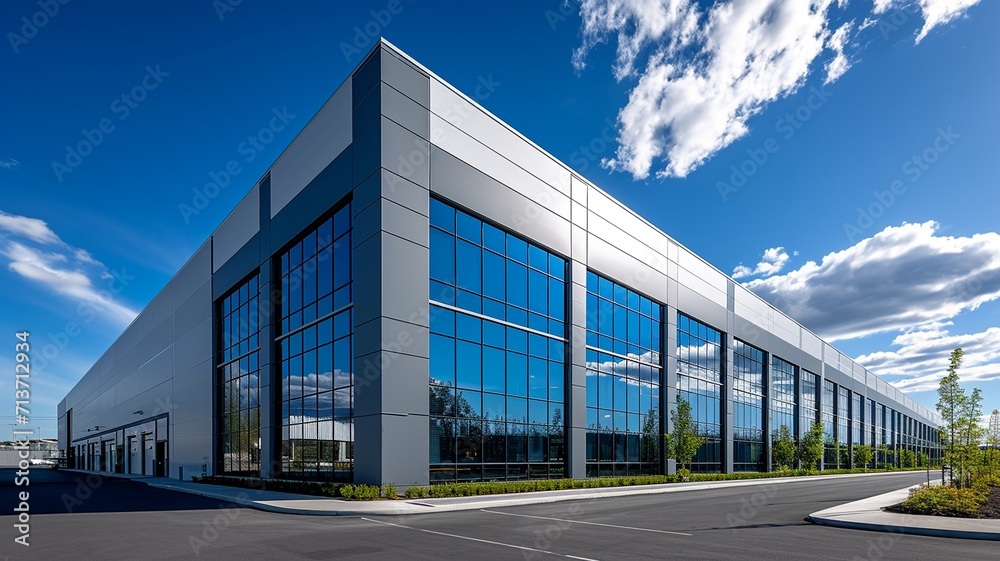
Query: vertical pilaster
[576,389]
[668,391]
[391,123]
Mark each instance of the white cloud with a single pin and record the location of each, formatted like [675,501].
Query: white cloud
[839,64]
[771,263]
[703,71]
[707,74]
[922,358]
[9,163]
[882,6]
[903,276]
[32,228]
[940,12]
[58,266]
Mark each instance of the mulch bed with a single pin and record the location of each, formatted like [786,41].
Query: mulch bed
[992,507]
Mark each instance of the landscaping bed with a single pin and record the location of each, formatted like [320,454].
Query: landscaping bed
[373,492]
[981,501]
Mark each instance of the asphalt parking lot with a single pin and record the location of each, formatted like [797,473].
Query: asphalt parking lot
[122,519]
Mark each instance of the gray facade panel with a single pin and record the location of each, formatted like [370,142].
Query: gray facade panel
[405,112]
[406,78]
[405,153]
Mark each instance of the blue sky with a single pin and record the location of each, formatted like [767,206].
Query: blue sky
[768,136]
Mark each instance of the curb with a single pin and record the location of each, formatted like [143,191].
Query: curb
[405,507]
[909,530]
[841,517]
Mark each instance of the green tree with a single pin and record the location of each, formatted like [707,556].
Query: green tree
[907,458]
[810,450]
[950,398]
[863,455]
[782,448]
[970,435]
[684,441]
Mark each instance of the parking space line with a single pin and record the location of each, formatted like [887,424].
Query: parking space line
[521,547]
[588,523]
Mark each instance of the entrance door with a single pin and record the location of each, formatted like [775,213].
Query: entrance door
[160,465]
[134,456]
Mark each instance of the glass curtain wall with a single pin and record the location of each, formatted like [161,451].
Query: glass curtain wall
[748,408]
[624,374]
[783,394]
[700,375]
[829,424]
[238,379]
[315,353]
[497,353]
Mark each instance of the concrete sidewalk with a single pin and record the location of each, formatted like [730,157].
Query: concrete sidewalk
[867,514]
[288,503]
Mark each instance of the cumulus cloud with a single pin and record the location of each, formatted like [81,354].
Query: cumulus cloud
[922,357]
[702,70]
[37,254]
[771,263]
[903,276]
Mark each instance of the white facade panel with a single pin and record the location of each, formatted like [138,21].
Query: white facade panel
[447,137]
[461,113]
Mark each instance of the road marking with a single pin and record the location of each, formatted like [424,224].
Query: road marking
[521,547]
[588,523]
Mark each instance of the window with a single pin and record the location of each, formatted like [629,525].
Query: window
[830,424]
[842,445]
[808,413]
[700,359]
[315,353]
[624,375]
[497,353]
[748,409]
[238,380]
[783,394]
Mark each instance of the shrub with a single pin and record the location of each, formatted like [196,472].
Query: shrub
[361,492]
[390,491]
[945,500]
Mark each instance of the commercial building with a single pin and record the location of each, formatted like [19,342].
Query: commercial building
[414,292]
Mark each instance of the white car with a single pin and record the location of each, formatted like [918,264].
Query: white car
[42,462]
